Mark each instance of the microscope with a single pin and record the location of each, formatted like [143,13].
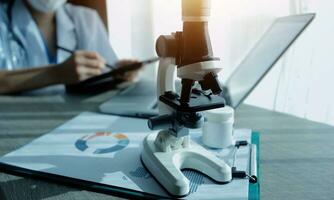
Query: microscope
[189,53]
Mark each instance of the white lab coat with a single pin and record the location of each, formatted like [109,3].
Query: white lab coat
[78,28]
[3,38]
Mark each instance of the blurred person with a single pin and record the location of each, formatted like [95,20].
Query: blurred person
[32,35]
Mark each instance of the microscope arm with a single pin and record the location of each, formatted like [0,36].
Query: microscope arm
[165,82]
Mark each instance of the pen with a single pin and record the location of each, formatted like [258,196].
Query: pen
[71,52]
[125,67]
[253,164]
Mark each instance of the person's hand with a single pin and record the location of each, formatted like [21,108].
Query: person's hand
[130,75]
[81,66]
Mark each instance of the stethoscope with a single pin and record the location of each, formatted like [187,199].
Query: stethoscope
[10,19]
[15,38]
[16,46]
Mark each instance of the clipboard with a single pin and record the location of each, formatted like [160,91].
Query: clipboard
[254,189]
[106,81]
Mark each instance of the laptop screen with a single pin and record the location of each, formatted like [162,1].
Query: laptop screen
[264,55]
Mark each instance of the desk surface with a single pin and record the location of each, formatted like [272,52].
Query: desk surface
[297,157]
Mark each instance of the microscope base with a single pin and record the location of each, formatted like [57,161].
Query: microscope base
[166,166]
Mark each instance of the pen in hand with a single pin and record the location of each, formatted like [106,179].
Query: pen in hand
[114,69]
[71,52]
[130,67]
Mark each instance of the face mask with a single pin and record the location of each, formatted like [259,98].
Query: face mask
[46,5]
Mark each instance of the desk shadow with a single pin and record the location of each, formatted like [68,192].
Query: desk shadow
[26,188]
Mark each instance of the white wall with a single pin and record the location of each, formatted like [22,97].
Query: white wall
[301,82]
[131,30]
[306,78]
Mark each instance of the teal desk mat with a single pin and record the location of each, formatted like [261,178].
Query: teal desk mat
[254,188]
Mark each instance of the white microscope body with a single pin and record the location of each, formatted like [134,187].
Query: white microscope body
[190,53]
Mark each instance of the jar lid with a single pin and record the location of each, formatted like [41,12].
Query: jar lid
[220,114]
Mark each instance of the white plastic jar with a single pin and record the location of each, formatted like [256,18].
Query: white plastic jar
[218,127]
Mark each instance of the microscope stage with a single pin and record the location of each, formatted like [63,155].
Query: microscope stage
[198,102]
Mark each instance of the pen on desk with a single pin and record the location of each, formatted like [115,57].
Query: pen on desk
[128,67]
[253,163]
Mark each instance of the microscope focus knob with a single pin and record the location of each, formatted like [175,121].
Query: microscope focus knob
[160,122]
[166,46]
[192,120]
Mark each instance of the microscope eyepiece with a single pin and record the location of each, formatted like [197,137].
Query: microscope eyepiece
[196,10]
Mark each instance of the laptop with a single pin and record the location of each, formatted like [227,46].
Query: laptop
[140,99]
